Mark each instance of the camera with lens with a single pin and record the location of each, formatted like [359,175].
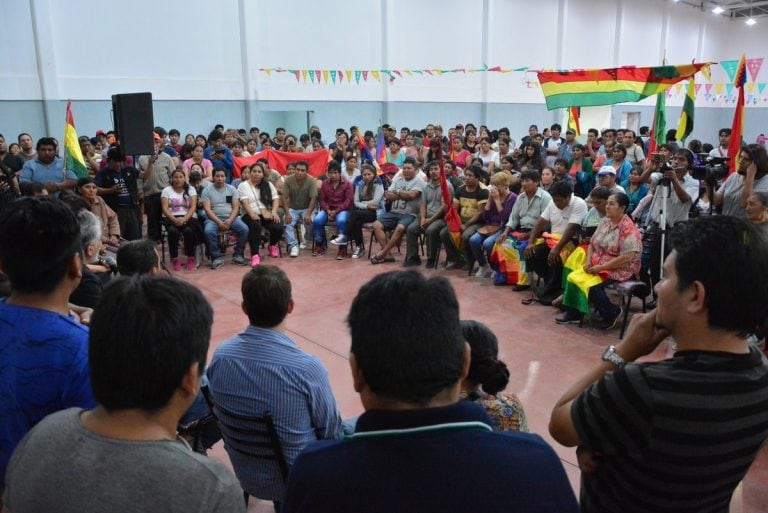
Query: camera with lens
[713,170]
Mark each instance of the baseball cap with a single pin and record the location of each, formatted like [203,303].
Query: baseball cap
[607,170]
[100,132]
[570,131]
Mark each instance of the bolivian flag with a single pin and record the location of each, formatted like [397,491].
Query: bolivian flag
[585,87]
[577,282]
[73,157]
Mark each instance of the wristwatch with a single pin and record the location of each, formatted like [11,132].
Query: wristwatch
[610,355]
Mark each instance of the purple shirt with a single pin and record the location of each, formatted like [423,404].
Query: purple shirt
[493,217]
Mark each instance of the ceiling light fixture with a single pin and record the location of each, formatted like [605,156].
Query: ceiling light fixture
[718,10]
[750,21]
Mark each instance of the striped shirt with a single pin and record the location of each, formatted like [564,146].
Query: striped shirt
[676,435]
[263,369]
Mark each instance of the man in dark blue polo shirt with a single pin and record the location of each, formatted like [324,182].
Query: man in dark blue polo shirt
[416,447]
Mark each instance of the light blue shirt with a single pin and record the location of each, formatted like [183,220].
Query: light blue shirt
[36,171]
[262,369]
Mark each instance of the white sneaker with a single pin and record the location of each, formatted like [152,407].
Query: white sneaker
[339,240]
[482,271]
[294,251]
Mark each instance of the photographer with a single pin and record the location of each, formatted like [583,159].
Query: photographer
[751,176]
[683,191]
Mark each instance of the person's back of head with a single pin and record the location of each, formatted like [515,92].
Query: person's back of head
[485,368]
[138,257]
[90,235]
[406,338]
[144,337]
[38,238]
[267,299]
[735,300]
[561,189]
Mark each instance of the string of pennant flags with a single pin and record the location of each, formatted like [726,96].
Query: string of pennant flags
[712,92]
[333,76]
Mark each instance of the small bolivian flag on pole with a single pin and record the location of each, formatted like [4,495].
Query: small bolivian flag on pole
[73,157]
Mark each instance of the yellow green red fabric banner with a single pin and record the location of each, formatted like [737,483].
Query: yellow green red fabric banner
[73,157]
[589,87]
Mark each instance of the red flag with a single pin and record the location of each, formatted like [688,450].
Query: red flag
[317,160]
[737,129]
[452,218]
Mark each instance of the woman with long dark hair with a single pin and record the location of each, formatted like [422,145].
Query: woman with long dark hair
[260,201]
[367,196]
[530,156]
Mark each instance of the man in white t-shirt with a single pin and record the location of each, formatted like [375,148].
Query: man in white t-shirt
[725,140]
[552,144]
[564,215]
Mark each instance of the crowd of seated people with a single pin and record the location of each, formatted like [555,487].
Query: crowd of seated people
[487,172]
[511,222]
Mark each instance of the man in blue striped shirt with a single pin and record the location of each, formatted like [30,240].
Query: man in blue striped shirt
[262,369]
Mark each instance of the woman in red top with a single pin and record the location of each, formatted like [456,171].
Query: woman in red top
[460,154]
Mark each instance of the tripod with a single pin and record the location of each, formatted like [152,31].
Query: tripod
[663,223]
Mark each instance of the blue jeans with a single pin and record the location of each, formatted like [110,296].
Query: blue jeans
[321,219]
[297,216]
[482,245]
[211,231]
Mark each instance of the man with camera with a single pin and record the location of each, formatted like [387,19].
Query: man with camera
[674,202]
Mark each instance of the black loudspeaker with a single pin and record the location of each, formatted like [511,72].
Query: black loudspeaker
[134,123]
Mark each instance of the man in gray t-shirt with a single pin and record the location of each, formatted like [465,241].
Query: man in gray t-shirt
[221,202]
[404,198]
[432,210]
[148,347]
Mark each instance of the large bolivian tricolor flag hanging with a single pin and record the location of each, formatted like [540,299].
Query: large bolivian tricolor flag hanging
[737,129]
[73,157]
[589,87]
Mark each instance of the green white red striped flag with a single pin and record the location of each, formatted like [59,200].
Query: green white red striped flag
[73,157]
[586,87]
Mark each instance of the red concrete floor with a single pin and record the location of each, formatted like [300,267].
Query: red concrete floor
[544,358]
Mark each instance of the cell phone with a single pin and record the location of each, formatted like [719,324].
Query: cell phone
[656,157]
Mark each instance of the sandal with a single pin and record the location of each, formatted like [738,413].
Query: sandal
[375,259]
[530,301]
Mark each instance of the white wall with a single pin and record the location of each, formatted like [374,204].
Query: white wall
[207,56]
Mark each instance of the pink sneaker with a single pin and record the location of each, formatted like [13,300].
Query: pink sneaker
[191,264]
[274,252]
[175,264]
[255,260]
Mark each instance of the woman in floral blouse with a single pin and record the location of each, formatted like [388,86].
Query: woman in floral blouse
[614,255]
[487,377]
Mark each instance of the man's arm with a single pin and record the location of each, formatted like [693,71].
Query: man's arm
[641,339]
[325,415]
[235,211]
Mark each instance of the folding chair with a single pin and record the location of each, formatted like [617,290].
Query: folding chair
[251,436]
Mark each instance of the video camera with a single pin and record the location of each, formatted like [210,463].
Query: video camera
[713,170]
